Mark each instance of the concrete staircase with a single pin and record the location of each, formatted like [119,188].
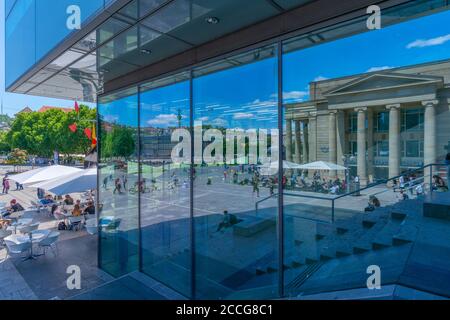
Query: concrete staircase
[368,232]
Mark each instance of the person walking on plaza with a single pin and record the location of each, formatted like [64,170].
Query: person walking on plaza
[255,183]
[6,185]
[105,183]
[117,186]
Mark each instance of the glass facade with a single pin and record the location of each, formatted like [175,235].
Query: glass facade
[30,34]
[213,145]
[119,214]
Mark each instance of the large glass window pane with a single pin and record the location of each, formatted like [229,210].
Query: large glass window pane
[118,173]
[236,160]
[165,182]
[361,95]
[20,40]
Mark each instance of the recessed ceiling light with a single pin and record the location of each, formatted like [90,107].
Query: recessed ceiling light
[146,51]
[103,70]
[212,20]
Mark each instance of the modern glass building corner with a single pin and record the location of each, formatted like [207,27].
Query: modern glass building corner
[209,113]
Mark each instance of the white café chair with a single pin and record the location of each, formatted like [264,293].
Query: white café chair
[15,247]
[91,226]
[28,228]
[50,241]
[76,223]
[3,234]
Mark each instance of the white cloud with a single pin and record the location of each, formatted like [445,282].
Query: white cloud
[374,69]
[242,115]
[164,120]
[111,119]
[219,122]
[295,95]
[422,43]
[320,78]
[203,119]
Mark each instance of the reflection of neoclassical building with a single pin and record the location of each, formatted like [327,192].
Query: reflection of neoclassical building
[399,117]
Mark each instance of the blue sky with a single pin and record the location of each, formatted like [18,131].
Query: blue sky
[246,96]
[13,103]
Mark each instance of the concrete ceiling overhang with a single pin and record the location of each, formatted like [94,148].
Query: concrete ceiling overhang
[132,41]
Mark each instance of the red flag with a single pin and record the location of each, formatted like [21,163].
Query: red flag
[88,133]
[73,127]
[77,108]
[94,136]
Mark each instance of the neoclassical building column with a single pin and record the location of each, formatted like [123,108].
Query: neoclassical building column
[332,138]
[341,148]
[288,140]
[370,144]
[312,138]
[298,142]
[429,143]
[394,140]
[362,150]
[305,142]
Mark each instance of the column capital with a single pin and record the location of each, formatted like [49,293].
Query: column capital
[393,106]
[430,103]
[332,111]
[361,109]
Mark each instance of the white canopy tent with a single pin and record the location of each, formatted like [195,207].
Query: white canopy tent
[271,169]
[43,174]
[80,181]
[322,165]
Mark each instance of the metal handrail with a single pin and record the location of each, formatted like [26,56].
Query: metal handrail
[333,200]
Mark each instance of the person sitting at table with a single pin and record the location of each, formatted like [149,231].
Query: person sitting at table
[47,200]
[90,209]
[56,212]
[14,206]
[76,212]
[68,200]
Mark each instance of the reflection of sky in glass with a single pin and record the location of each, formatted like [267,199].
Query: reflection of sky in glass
[417,41]
[162,106]
[246,96]
[243,97]
[122,111]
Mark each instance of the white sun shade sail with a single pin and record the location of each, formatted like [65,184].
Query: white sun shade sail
[271,169]
[71,183]
[322,165]
[43,174]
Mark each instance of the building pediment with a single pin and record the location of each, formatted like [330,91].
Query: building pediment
[384,81]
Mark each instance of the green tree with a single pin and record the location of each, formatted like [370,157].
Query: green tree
[43,133]
[17,157]
[4,144]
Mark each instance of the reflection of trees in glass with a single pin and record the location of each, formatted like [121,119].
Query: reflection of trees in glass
[119,142]
[42,133]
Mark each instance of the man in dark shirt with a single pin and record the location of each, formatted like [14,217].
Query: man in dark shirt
[90,209]
[229,220]
[14,206]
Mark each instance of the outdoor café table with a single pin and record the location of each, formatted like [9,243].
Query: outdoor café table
[33,237]
[36,237]
[21,223]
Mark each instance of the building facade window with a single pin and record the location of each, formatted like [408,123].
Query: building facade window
[381,122]
[202,213]
[412,120]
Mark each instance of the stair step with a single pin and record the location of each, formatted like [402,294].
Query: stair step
[407,234]
[272,269]
[323,230]
[327,253]
[397,214]
[364,243]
